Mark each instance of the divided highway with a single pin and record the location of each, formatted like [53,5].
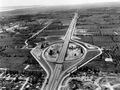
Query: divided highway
[55,75]
[54,79]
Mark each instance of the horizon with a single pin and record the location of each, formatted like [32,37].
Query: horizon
[5,3]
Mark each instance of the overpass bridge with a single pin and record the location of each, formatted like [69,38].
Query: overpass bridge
[71,54]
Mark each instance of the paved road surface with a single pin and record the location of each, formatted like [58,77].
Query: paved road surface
[58,73]
[54,79]
[26,41]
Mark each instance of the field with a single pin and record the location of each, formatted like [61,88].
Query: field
[17,26]
[97,26]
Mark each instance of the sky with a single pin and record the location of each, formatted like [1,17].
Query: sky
[4,3]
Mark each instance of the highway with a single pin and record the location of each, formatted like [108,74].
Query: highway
[57,73]
[67,39]
[54,79]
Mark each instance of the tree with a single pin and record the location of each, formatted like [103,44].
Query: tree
[51,52]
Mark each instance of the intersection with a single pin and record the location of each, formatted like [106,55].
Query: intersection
[58,66]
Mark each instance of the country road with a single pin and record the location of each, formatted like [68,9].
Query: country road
[26,41]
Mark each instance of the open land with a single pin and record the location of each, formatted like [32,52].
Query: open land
[97,26]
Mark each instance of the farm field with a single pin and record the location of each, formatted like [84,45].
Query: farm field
[97,26]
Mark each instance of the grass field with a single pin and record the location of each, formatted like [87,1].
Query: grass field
[13,63]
